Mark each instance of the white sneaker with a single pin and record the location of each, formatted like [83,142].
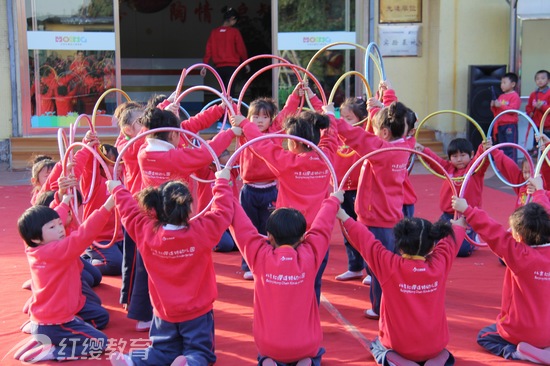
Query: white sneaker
[349,275]
[142,326]
[527,352]
[367,280]
[248,276]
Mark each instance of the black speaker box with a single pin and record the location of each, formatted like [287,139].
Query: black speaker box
[483,86]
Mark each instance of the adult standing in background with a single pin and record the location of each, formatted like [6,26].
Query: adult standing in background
[226,48]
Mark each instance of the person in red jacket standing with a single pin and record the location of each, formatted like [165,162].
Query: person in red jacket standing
[225,47]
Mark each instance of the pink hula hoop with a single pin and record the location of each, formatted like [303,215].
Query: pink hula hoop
[478,161]
[107,173]
[388,149]
[210,68]
[249,60]
[166,129]
[316,148]
[287,64]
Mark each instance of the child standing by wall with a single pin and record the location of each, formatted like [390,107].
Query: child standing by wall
[173,248]
[412,278]
[287,328]
[55,265]
[522,330]
[461,157]
[507,125]
[539,100]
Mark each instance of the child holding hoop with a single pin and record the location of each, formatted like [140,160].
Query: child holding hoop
[412,278]
[177,253]
[259,191]
[352,110]
[461,157]
[522,330]
[54,260]
[303,177]
[379,203]
[287,327]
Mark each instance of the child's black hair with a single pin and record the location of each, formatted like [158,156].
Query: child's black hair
[31,222]
[267,105]
[286,225]
[393,118]
[171,202]
[45,198]
[532,223]
[543,72]
[39,165]
[229,13]
[416,236]
[460,145]
[410,119]
[157,118]
[357,106]
[511,76]
[307,125]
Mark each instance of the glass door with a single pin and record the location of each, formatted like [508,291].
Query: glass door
[72,60]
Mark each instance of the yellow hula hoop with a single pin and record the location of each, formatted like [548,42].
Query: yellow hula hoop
[544,155]
[94,113]
[342,77]
[541,130]
[473,121]
[108,91]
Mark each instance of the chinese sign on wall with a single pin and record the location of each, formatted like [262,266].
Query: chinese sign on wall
[400,11]
[399,40]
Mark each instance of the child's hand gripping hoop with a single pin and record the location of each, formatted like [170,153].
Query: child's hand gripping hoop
[420,157]
[474,168]
[389,149]
[527,156]
[295,68]
[97,157]
[181,131]
[310,144]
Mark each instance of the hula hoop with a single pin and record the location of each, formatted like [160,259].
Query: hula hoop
[167,129]
[484,138]
[472,170]
[211,69]
[341,78]
[314,147]
[107,173]
[490,133]
[269,67]
[247,61]
[543,119]
[388,149]
[209,104]
[539,162]
[379,64]
[108,91]
[180,82]
[206,88]
[187,115]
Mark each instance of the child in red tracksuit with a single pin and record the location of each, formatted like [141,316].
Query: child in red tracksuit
[461,157]
[412,278]
[177,254]
[379,203]
[54,260]
[161,158]
[302,175]
[506,127]
[522,328]
[539,101]
[287,328]
[259,191]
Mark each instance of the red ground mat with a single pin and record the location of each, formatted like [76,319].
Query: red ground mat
[473,295]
